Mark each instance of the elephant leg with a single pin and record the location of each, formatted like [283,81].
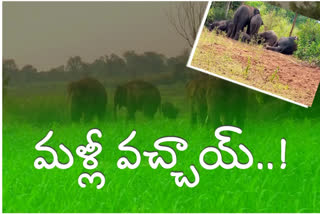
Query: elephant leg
[237,33]
[213,114]
[149,114]
[101,114]
[275,44]
[229,33]
[277,49]
[240,116]
[88,115]
[249,30]
[240,27]
[193,114]
[131,114]
[272,43]
[76,114]
[203,113]
[228,117]
[100,109]
[214,119]
[240,120]
[234,31]
[149,110]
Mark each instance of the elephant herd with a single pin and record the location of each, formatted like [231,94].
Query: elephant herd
[88,99]
[212,101]
[207,98]
[216,102]
[249,17]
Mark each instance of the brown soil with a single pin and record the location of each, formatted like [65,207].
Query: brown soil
[300,79]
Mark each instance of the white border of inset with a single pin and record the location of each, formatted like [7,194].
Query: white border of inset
[227,79]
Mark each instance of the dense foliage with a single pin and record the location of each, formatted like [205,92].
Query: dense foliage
[309,42]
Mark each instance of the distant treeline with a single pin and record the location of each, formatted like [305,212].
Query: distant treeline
[283,22]
[150,66]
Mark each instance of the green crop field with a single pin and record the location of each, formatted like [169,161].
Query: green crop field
[26,189]
[51,49]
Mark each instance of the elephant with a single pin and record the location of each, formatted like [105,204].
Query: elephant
[196,95]
[213,100]
[169,110]
[208,24]
[285,45]
[255,25]
[229,29]
[137,95]
[212,25]
[264,107]
[226,103]
[221,26]
[269,38]
[88,98]
[242,18]
[245,37]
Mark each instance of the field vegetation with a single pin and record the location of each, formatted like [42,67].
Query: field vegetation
[31,111]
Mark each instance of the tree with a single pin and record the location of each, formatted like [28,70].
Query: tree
[228,8]
[28,69]
[154,62]
[144,63]
[9,65]
[186,19]
[75,64]
[28,73]
[294,22]
[115,64]
[5,83]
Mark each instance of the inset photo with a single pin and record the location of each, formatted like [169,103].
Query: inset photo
[272,47]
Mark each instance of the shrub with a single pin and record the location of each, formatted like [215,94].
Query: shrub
[309,42]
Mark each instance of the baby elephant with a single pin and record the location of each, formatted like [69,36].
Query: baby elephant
[137,95]
[169,110]
[88,98]
[255,25]
[221,26]
[245,37]
[268,37]
[285,45]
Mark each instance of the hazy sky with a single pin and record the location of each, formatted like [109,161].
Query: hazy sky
[46,34]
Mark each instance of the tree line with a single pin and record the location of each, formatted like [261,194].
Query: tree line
[152,65]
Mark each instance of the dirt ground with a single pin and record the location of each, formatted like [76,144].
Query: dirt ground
[253,65]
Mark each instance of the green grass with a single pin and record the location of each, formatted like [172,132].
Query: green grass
[294,189]
[26,189]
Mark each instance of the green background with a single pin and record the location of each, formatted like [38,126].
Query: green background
[26,189]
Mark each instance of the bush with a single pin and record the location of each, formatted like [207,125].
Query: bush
[309,42]
[276,20]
